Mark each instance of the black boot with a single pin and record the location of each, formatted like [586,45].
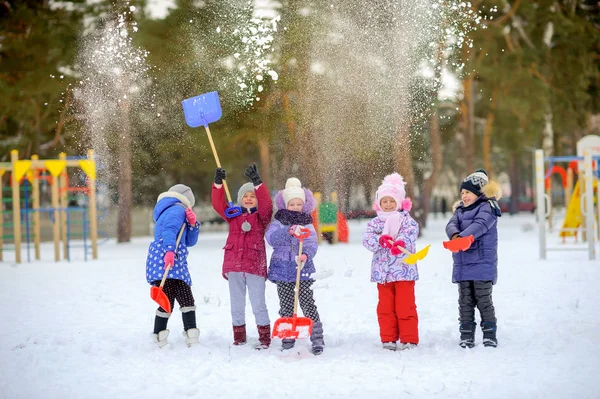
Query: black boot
[489,334]
[467,334]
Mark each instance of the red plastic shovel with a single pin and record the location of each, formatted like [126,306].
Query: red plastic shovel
[459,244]
[156,293]
[295,327]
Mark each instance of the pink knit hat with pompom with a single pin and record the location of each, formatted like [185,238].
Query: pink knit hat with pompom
[392,186]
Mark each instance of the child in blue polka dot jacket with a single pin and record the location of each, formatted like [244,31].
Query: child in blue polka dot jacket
[174,209]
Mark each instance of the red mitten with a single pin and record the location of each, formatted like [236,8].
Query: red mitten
[395,249]
[190,216]
[303,258]
[386,241]
[169,259]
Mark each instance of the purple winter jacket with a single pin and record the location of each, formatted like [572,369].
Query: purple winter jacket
[283,265]
[480,261]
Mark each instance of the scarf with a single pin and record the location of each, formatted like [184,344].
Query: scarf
[393,220]
[289,218]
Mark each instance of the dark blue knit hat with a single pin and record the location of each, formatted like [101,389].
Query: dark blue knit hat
[475,182]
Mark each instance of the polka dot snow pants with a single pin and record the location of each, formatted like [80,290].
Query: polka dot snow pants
[176,290]
[285,291]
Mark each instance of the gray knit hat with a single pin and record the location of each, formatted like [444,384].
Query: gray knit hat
[185,191]
[243,190]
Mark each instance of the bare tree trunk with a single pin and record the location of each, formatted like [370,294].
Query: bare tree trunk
[404,164]
[487,135]
[265,161]
[515,178]
[435,151]
[124,176]
[467,107]
[435,148]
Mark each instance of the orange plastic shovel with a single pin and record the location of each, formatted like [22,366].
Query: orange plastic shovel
[295,327]
[156,293]
[459,244]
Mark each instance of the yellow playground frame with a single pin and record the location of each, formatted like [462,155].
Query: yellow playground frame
[30,170]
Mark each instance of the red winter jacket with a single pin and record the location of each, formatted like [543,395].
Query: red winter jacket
[245,251]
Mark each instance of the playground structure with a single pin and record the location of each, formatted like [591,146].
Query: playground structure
[581,201]
[329,221]
[25,179]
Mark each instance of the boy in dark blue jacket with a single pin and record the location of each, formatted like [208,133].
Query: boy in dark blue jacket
[476,269]
[174,209]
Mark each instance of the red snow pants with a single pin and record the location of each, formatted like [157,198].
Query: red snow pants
[397,312]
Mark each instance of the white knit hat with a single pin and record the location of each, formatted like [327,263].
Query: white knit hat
[293,189]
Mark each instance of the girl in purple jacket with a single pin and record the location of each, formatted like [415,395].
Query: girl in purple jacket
[295,205]
[476,269]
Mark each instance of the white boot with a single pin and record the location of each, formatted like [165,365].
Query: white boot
[161,338]
[191,336]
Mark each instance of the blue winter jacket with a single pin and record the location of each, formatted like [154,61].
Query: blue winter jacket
[480,261]
[169,215]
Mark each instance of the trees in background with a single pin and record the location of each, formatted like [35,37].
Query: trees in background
[344,99]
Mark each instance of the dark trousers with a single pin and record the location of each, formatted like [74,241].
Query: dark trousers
[473,294]
[285,291]
[176,290]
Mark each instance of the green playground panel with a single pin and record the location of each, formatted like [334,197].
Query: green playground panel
[328,213]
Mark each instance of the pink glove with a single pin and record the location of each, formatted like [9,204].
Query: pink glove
[394,250]
[386,241]
[169,259]
[303,258]
[190,216]
[292,229]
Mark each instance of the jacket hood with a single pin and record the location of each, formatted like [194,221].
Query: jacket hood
[309,204]
[163,204]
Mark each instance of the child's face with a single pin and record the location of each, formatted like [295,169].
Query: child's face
[295,204]
[467,197]
[249,200]
[387,204]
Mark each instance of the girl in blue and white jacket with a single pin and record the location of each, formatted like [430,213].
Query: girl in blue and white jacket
[174,209]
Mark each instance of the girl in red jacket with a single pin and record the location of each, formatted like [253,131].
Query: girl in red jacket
[245,263]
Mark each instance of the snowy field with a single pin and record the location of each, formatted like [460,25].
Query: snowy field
[81,330]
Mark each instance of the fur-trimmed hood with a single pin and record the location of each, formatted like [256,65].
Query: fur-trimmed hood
[172,194]
[309,204]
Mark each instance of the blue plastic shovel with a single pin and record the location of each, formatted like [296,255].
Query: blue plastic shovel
[200,111]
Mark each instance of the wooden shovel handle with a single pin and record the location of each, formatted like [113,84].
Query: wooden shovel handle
[404,250]
[214,150]
[162,282]
[299,267]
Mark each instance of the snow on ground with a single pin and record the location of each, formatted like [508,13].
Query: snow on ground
[81,330]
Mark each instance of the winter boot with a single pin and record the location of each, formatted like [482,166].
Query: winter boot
[391,346]
[318,344]
[264,337]
[467,334]
[191,336]
[489,334]
[407,346]
[287,343]
[160,328]
[161,338]
[239,335]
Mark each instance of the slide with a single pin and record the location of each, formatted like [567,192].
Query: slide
[573,216]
